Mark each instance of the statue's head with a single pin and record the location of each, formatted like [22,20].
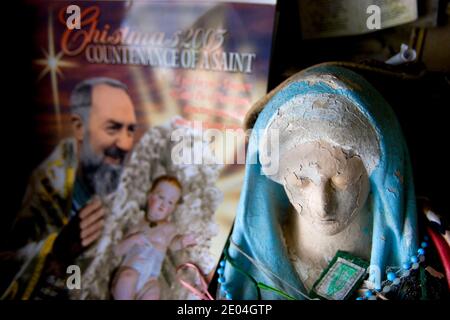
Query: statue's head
[326,152]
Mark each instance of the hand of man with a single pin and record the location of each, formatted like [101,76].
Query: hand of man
[81,231]
[92,220]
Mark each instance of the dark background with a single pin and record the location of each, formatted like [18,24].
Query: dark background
[19,152]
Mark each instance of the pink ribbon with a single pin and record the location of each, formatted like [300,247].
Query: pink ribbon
[202,293]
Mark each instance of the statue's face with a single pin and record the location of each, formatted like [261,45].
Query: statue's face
[325,184]
[162,201]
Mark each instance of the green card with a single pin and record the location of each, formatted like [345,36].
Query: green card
[342,277]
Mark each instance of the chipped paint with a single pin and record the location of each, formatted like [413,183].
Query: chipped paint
[399,176]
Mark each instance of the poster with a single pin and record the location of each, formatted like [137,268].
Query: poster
[158,69]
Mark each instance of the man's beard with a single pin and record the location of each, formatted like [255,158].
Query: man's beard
[100,177]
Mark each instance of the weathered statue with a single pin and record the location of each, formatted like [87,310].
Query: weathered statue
[328,208]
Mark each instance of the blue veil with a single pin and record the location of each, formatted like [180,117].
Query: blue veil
[257,253]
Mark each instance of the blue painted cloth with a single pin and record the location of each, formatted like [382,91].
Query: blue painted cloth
[264,205]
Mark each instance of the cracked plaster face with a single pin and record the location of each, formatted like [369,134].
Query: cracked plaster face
[326,185]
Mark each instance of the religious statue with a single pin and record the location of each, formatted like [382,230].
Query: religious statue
[328,208]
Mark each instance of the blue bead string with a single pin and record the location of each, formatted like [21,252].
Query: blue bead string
[394,278]
[222,281]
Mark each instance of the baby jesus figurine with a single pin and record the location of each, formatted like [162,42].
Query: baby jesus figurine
[145,246]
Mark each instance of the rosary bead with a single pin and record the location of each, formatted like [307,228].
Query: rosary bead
[391,276]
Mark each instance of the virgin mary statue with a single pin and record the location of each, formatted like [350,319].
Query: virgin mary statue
[328,207]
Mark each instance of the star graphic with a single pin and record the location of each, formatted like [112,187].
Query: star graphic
[53,65]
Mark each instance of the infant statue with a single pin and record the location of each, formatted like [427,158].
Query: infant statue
[144,247]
